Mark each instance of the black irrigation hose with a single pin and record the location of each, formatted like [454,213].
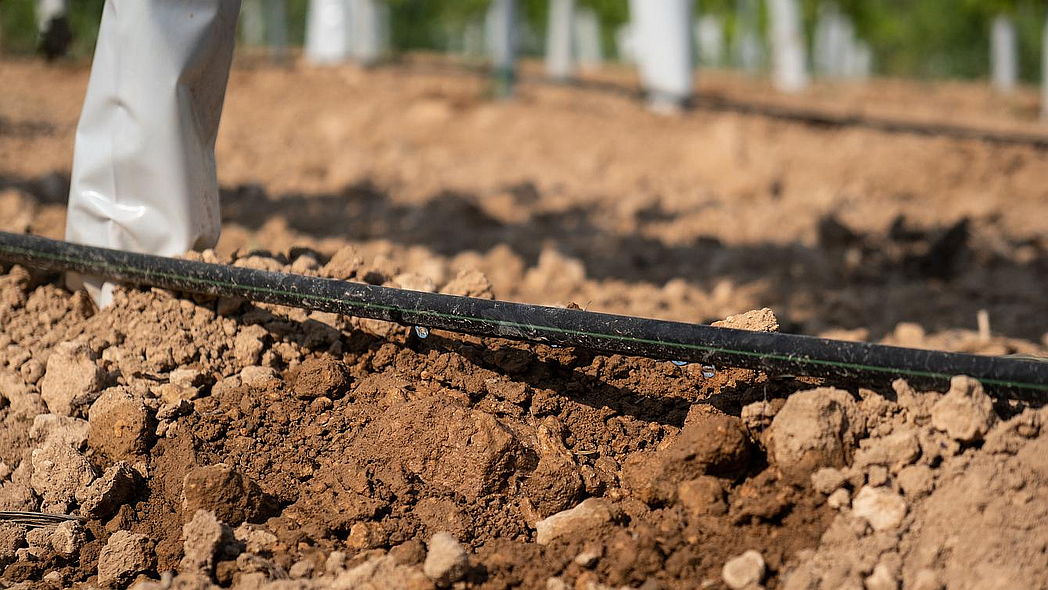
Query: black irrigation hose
[777,354]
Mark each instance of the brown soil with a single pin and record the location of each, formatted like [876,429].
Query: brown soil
[243,445]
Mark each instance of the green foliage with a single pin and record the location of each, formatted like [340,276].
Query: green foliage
[914,38]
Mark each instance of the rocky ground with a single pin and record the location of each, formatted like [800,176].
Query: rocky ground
[220,443]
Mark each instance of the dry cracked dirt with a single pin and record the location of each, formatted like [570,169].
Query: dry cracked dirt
[218,443]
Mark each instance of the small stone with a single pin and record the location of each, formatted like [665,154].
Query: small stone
[470,283]
[758,415]
[59,473]
[38,538]
[556,583]
[172,393]
[335,562]
[121,424]
[11,538]
[67,538]
[255,539]
[414,282]
[255,376]
[109,492]
[877,475]
[927,579]
[186,377]
[965,413]
[881,579]
[703,495]
[125,555]
[447,561]
[205,539]
[63,429]
[73,379]
[588,558]
[827,480]
[744,571]
[590,513]
[32,371]
[839,499]
[757,320]
[881,507]
[916,481]
[172,411]
[894,451]
[301,569]
[248,345]
[366,535]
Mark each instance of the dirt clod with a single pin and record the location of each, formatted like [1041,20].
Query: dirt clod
[318,377]
[757,320]
[965,412]
[447,561]
[124,556]
[881,507]
[816,428]
[206,540]
[107,493]
[67,538]
[744,571]
[62,429]
[231,496]
[122,426]
[73,379]
[59,473]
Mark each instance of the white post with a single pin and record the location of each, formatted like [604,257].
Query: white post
[502,26]
[749,54]
[1044,73]
[327,31]
[1003,54]
[860,63]
[143,176]
[589,49]
[276,28]
[47,10]
[369,31]
[626,43]
[559,39]
[252,23]
[709,37]
[788,51]
[663,29]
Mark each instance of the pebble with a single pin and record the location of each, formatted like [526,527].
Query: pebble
[881,507]
[590,513]
[744,571]
[881,579]
[447,561]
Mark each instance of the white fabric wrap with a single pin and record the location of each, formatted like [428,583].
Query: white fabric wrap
[144,164]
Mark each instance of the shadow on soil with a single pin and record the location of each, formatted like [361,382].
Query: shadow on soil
[938,277]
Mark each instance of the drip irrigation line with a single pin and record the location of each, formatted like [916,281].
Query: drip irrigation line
[882,124]
[774,353]
[37,519]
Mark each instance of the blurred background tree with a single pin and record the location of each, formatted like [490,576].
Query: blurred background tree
[925,39]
